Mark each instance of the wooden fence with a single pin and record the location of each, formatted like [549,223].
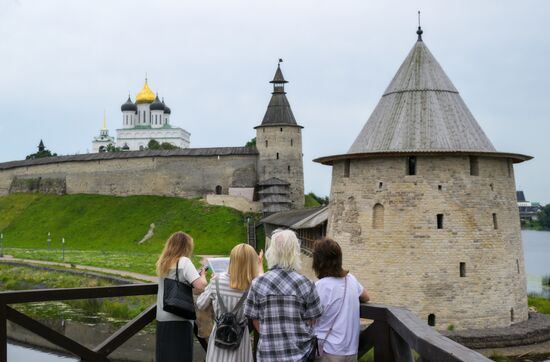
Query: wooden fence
[394,332]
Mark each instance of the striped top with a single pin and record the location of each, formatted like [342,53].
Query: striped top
[230,298]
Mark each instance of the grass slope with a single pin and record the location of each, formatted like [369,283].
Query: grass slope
[108,225]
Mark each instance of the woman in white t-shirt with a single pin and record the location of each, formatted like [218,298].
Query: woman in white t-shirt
[175,334]
[338,328]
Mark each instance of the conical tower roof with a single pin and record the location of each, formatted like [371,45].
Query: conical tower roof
[278,111]
[421,111]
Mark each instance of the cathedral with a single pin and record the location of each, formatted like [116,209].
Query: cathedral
[146,119]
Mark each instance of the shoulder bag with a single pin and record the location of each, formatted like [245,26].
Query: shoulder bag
[178,297]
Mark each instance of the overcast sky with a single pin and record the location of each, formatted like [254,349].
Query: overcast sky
[62,63]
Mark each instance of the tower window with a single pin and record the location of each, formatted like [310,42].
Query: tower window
[495,223]
[439,187]
[474,166]
[517,264]
[462,270]
[380,184]
[511,314]
[492,187]
[281,129]
[277,155]
[288,168]
[266,143]
[431,320]
[347,165]
[411,165]
[440,221]
[291,142]
[378,216]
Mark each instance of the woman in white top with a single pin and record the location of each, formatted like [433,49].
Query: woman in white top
[338,328]
[244,266]
[175,334]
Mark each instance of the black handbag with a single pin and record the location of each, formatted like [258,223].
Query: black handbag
[178,297]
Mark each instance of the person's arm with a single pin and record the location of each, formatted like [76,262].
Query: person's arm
[256,324]
[204,300]
[364,297]
[200,283]
[261,263]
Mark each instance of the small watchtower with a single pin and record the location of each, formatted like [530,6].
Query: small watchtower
[425,208]
[279,144]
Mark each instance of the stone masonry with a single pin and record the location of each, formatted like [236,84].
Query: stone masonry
[409,261]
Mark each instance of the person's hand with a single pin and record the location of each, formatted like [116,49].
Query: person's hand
[261,262]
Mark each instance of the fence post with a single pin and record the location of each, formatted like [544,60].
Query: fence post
[382,344]
[3,334]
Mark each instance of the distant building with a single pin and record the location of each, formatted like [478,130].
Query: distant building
[528,210]
[103,141]
[147,119]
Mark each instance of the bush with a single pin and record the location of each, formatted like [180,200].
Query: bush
[546,280]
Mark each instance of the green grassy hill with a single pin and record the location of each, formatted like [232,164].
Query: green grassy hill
[112,226]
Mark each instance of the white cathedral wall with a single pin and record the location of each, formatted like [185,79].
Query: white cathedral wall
[156,119]
[143,111]
[139,138]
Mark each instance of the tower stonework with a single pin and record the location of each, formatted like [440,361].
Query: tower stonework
[424,207]
[279,144]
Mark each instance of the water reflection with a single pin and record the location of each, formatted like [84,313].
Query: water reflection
[536,247]
[20,353]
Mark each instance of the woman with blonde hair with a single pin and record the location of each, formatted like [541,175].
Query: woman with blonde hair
[174,333]
[232,288]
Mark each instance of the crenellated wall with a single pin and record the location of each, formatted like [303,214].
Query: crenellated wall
[386,222]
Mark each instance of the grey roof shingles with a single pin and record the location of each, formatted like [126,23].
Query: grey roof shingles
[289,218]
[421,112]
[196,152]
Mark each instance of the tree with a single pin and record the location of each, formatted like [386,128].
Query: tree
[251,143]
[153,145]
[112,148]
[168,146]
[320,199]
[544,217]
[42,152]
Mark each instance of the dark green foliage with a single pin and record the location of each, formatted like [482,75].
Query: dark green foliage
[546,280]
[544,217]
[251,143]
[112,148]
[155,145]
[41,154]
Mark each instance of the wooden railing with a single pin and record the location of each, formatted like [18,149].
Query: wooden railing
[394,332]
[100,352]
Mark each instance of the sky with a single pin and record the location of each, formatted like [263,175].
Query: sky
[64,63]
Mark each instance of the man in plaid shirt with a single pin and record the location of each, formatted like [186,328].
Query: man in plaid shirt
[283,304]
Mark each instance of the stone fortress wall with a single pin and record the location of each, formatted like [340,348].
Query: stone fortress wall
[184,173]
[469,273]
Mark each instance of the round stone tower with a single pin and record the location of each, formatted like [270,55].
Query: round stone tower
[425,208]
[279,144]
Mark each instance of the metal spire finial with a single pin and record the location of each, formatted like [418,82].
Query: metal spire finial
[419,31]
[280,61]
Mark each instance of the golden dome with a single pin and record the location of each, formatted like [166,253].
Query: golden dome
[146,95]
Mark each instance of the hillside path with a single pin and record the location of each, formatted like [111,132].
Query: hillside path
[120,273]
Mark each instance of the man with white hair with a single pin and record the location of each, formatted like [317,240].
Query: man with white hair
[283,304]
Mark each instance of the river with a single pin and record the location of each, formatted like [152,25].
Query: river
[536,246]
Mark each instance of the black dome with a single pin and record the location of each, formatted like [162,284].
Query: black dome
[157,105]
[128,106]
[167,109]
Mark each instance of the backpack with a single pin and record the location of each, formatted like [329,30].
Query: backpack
[229,331]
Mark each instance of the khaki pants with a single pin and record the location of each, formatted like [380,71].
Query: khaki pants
[327,357]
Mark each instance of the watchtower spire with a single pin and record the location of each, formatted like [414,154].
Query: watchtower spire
[419,31]
[278,80]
